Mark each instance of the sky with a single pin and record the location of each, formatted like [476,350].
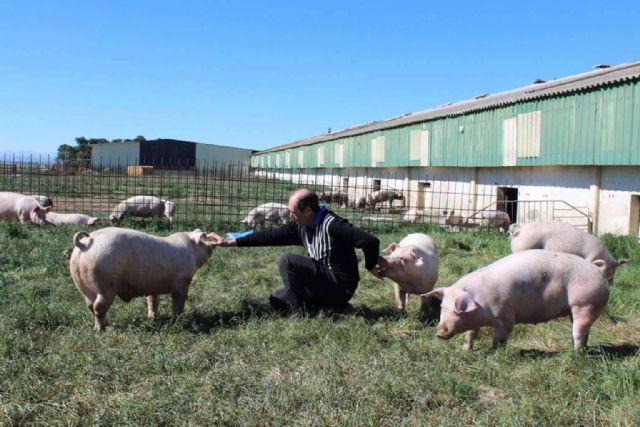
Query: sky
[257,74]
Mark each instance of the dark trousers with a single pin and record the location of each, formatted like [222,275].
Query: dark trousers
[309,283]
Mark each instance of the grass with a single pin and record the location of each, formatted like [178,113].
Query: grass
[230,360]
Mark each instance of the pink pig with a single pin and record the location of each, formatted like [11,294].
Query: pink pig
[532,286]
[25,208]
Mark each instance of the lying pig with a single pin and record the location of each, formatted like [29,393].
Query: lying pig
[121,262]
[561,237]
[383,196]
[44,201]
[25,208]
[526,287]
[412,265]
[268,212]
[70,219]
[143,206]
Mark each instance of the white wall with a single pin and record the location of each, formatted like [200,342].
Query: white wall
[115,154]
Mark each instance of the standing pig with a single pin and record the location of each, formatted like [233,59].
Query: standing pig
[383,196]
[70,219]
[128,263]
[526,287]
[497,219]
[268,212]
[143,206]
[25,208]
[412,265]
[452,219]
[336,197]
[561,237]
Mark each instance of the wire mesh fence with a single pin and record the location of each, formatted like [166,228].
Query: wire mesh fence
[219,192]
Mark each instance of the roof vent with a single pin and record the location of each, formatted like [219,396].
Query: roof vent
[538,81]
[329,130]
[600,66]
[481,96]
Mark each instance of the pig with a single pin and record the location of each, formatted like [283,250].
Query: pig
[338,198]
[383,196]
[143,206]
[561,237]
[452,219]
[127,263]
[532,286]
[71,219]
[413,215]
[44,201]
[361,203]
[412,265]
[25,208]
[267,212]
[497,219]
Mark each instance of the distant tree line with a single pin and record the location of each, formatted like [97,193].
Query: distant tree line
[82,149]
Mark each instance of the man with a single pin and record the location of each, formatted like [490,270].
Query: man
[329,276]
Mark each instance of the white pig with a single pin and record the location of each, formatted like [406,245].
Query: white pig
[412,265]
[143,206]
[526,287]
[43,200]
[561,237]
[71,219]
[127,263]
[413,215]
[497,219]
[383,196]
[267,212]
[25,208]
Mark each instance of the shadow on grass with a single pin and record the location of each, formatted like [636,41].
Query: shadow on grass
[617,351]
[198,323]
[535,353]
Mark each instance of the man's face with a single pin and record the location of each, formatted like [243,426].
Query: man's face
[304,217]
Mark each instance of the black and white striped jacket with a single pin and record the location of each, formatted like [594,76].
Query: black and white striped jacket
[332,243]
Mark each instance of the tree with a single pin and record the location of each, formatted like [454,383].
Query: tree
[82,150]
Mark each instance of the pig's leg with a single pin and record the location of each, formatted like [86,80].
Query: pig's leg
[501,334]
[179,293]
[469,337]
[100,307]
[583,318]
[401,297]
[153,302]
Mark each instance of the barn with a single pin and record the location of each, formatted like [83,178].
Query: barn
[166,154]
[566,149]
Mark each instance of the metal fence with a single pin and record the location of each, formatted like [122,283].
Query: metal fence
[221,192]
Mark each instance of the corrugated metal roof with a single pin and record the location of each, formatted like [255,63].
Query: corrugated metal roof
[599,77]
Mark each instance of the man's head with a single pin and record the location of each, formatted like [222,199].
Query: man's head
[303,206]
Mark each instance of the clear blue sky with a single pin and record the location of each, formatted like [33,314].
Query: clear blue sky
[256,74]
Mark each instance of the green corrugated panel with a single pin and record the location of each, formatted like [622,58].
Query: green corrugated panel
[598,127]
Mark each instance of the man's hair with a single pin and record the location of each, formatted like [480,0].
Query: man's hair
[311,200]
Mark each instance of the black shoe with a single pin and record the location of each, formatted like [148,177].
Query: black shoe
[279,305]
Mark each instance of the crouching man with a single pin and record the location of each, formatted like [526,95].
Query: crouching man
[328,277]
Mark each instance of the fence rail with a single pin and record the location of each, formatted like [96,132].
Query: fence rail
[220,192]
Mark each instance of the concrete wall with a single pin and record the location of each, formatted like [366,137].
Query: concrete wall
[610,196]
[209,154]
[115,154]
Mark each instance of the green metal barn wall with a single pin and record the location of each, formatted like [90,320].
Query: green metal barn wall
[590,128]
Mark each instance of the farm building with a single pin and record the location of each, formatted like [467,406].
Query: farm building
[166,153]
[566,149]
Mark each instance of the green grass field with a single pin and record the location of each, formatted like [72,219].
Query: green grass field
[230,360]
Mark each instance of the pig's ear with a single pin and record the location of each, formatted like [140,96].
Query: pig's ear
[622,261]
[392,247]
[196,236]
[36,208]
[436,293]
[464,302]
[48,208]
[602,266]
